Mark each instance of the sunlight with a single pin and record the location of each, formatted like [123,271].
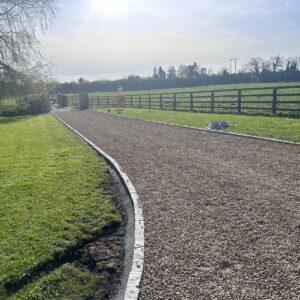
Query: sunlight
[110,7]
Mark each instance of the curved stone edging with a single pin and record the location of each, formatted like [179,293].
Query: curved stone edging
[209,130]
[135,275]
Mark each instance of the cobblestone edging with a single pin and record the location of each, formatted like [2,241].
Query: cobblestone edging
[208,130]
[135,275]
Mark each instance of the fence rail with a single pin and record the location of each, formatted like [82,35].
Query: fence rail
[282,100]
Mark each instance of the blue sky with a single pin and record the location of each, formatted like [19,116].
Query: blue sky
[114,38]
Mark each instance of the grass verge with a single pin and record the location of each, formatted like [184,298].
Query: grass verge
[51,199]
[272,127]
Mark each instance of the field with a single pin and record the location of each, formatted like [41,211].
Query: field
[265,99]
[52,201]
[199,88]
[272,127]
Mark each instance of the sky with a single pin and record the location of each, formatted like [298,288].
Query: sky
[110,39]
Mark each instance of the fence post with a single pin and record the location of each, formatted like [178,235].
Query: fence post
[192,101]
[274,102]
[239,101]
[212,101]
[160,102]
[174,102]
[131,101]
[149,102]
[84,101]
[140,101]
[107,100]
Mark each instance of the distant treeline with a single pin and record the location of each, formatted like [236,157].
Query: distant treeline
[274,69]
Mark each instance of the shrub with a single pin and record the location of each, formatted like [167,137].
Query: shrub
[33,104]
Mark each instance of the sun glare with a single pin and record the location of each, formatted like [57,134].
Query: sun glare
[110,7]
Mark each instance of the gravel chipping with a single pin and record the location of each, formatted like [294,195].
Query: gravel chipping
[222,213]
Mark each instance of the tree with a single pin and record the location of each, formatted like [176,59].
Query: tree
[203,71]
[255,66]
[133,77]
[292,64]
[266,66]
[276,63]
[154,76]
[192,71]
[224,72]
[81,81]
[35,81]
[171,73]
[19,21]
[182,71]
[161,74]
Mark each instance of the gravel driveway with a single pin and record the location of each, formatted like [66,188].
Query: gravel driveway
[222,213]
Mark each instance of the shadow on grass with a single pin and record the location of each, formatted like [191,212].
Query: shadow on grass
[70,255]
[15,119]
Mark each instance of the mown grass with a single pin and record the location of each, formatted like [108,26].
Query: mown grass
[273,127]
[51,197]
[67,282]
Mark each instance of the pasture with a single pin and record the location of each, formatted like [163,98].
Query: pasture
[199,88]
[52,201]
[274,100]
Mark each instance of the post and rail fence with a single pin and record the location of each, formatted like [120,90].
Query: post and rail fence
[280,100]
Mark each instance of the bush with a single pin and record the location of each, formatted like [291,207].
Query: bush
[30,105]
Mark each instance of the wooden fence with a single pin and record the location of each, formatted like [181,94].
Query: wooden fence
[282,100]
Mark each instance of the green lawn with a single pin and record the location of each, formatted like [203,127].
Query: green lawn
[66,282]
[51,198]
[273,127]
